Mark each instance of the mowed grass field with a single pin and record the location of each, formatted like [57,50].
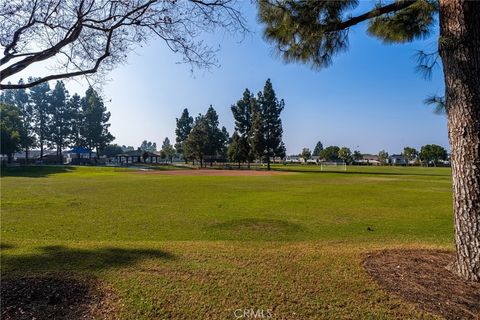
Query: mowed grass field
[194,247]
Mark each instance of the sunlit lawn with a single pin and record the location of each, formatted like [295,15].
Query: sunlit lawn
[195,247]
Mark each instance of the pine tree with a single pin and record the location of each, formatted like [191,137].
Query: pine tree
[224,142]
[60,125]
[318,149]
[95,121]
[268,124]
[184,126]
[216,138]
[196,146]
[314,32]
[238,149]
[243,114]
[40,99]
[75,106]
[257,134]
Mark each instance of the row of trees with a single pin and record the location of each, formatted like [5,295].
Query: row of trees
[257,134]
[428,154]
[51,118]
[201,138]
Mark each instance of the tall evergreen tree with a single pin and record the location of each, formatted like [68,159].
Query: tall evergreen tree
[318,149]
[315,31]
[224,142]
[75,106]
[243,114]
[267,123]
[40,99]
[216,137]
[60,125]
[184,126]
[196,146]
[95,121]
[27,137]
[237,149]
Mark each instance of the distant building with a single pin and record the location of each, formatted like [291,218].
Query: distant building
[314,160]
[397,159]
[293,159]
[369,159]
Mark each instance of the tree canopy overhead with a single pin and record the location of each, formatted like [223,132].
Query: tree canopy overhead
[88,36]
[314,31]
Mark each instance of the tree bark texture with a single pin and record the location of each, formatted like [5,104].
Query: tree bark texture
[459,48]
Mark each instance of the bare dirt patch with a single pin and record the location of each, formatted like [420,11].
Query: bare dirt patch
[56,297]
[421,277]
[213,172]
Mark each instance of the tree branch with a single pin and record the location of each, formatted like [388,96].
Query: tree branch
[393,7]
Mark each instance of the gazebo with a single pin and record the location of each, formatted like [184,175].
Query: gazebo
[137,156]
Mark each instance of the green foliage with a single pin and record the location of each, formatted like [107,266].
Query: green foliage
[306,154]
[414,22]
[63,114]
[184,126]
[330,153]
[438,103]
[196,146]
[432,153]
[410,153]
[40,98]
[215,136]
[238,149]
[148,146]
[167,149]
[11,128]
[266,137]
[318,148]
[95,121]
[312,31]
[111,150]
[345,154]
[20,98]
[357,155]
[383,156]
[224,142]
[243,114]
[75,105]
[301,30]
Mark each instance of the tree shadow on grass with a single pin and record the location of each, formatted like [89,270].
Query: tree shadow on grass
[34,171]
[6,246]
[61,258]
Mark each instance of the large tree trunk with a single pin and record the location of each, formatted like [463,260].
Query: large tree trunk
[459,48]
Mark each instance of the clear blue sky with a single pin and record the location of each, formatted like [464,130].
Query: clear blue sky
[370,97]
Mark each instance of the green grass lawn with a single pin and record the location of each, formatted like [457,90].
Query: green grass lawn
[195,247]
